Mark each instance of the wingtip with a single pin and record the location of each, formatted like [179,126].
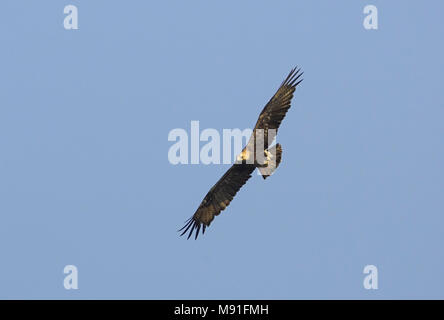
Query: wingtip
[194,225]
[293,76]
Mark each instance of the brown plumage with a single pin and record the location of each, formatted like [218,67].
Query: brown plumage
[221,194]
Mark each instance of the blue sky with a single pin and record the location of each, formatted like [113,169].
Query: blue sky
[84,172]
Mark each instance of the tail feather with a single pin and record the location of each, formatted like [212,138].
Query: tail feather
[274,161]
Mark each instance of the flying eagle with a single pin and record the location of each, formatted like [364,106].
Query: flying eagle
[221,194]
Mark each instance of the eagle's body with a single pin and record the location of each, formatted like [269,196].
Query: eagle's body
[256,154]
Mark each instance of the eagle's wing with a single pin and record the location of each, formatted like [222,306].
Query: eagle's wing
[275,110]
[218,198]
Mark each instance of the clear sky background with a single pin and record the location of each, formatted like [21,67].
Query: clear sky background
[84,172]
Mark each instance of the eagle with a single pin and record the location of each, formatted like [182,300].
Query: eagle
[266,158]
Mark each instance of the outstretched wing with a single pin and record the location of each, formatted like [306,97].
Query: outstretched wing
[218,198]
[275,110]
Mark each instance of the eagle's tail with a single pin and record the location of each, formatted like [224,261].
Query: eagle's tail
[274,159]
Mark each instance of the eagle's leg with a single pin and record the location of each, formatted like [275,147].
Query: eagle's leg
[268,157]
[274,156]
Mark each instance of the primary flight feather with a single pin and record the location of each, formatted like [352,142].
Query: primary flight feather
[221,194]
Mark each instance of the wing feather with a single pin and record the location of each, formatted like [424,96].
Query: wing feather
[218,198]
[276,109]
